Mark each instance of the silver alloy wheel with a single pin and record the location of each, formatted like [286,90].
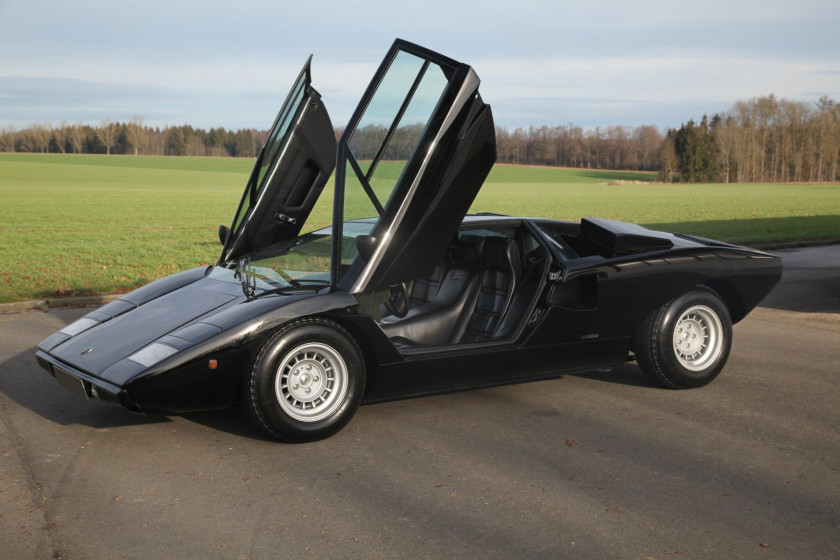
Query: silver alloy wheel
[311,382]
[698,338]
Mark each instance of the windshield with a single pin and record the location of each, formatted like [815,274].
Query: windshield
[302,262]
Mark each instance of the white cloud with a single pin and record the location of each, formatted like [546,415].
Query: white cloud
[541,61]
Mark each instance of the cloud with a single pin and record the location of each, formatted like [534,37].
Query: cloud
[534,90]
[210,63]
[27,100]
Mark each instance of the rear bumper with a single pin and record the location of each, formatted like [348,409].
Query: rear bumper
[84,384]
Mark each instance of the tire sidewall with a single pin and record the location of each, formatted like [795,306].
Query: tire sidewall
[266,368]
[676,373]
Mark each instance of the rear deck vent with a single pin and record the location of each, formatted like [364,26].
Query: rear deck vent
[609,238]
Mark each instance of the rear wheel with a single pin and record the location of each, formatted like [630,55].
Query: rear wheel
[306,383]
[685,343]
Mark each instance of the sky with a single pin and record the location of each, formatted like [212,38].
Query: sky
[591,63]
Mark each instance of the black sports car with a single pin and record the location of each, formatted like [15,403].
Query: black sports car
[404,295]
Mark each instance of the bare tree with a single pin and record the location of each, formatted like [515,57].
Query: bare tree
[668,159]
[7,138]
[41,135]
[76,136]
[60,136]
[108,133]
[134,131]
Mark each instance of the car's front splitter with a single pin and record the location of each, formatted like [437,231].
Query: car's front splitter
[84,384]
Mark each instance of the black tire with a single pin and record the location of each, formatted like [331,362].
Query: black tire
[685,343]
[306,382]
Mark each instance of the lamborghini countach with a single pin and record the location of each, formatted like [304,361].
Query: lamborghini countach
[404,294]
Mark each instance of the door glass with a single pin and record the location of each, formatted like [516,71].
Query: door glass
[408,132]
[382,143]
[273,145]
[357,203]
[394,121]
[383,108]
[278,134]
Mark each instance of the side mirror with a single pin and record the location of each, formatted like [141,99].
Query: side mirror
[224,233]
[366,245]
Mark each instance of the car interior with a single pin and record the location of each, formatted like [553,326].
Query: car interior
[482,290]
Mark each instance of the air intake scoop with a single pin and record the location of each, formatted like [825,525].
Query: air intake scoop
[620,238]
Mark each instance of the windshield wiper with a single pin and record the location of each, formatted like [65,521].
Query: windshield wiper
[290,290]
[245,274]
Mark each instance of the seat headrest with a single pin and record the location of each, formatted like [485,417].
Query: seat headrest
[495,254]
[465,252]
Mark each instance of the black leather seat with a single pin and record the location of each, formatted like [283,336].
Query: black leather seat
[424,290]
[501,273]
[433,322]
[472,302]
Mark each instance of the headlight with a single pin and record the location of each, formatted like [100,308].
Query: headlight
[76,327]
[152,354]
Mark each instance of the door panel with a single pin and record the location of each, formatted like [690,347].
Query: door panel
[289,175]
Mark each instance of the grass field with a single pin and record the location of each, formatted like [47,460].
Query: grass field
[80,225]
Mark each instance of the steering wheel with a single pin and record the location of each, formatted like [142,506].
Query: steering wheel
[397,302]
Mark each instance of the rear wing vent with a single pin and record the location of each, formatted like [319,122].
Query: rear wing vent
[609,238]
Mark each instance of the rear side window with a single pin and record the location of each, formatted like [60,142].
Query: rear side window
[555,237]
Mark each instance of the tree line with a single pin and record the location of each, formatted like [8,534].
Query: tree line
[614,147]
[132,137]
[764,139]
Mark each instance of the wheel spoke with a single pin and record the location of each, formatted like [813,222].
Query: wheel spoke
[697,338]
[311,382]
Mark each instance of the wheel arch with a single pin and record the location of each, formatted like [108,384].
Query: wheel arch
[376,349]
[730,295]
[369,354]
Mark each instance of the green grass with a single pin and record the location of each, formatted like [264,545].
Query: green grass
[79,225]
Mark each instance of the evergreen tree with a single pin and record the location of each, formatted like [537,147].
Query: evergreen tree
[696,152]
[176,144]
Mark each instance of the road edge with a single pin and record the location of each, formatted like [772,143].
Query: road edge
[55,303]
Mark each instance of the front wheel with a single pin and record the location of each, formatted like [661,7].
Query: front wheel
[685,343]
[306,383]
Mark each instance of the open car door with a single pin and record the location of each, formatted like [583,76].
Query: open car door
[414,155]
[291,170]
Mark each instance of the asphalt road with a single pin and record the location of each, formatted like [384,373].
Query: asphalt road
[588,466]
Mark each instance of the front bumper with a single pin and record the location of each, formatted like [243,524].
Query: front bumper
[84,384]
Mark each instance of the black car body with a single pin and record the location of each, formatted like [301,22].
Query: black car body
[404,295]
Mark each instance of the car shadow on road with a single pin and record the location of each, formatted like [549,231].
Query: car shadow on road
[23,382]
[230,420]
[810,296]
[628,374]
[233,421]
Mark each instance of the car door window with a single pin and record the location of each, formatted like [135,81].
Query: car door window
[385,139]
[390,129]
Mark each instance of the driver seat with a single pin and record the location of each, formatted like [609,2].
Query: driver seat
[433,323]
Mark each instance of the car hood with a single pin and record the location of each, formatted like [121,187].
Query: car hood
[181,311]
[105,344]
